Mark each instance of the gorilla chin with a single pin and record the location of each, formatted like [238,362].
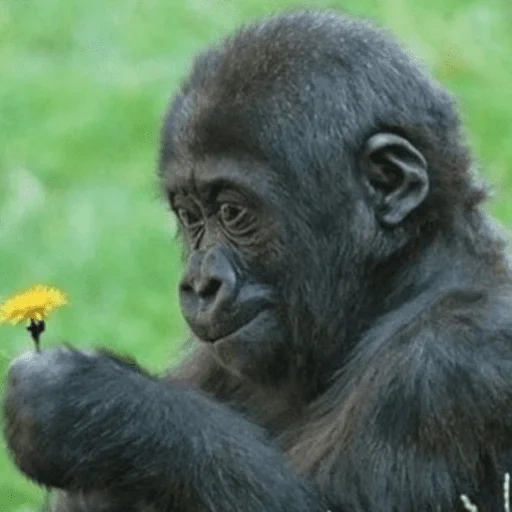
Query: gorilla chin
[247,346]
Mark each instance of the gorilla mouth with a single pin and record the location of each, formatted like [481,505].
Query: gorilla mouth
[249,331]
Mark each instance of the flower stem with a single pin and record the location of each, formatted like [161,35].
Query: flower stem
[36,328]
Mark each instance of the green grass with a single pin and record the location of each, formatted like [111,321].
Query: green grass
[83,86]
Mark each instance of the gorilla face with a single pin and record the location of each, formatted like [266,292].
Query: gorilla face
[229,293]
[271,267]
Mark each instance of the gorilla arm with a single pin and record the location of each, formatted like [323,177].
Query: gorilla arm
[92,423]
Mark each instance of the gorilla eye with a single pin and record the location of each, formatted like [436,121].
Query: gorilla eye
[233,216]
[189,218]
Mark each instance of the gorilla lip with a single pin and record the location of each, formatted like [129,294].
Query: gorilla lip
[247,326]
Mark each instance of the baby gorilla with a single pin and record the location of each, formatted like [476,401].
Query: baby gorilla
[349,301]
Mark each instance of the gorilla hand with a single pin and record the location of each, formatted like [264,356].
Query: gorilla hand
[68,415]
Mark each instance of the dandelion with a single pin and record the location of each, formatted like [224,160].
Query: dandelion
[32,305]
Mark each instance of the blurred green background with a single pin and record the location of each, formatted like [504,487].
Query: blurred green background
[83,86]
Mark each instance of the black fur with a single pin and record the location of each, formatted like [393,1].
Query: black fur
[350,301]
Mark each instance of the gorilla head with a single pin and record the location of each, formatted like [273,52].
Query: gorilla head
[307,163]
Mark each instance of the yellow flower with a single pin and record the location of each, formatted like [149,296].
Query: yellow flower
[32,304]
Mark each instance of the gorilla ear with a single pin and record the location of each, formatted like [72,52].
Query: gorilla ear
[396,173]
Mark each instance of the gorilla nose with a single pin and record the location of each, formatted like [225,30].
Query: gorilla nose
[207,286]
[208,291]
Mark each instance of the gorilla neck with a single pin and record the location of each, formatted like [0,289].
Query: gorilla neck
[471,241]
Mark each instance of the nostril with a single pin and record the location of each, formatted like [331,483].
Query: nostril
[208,287]
[186,287]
